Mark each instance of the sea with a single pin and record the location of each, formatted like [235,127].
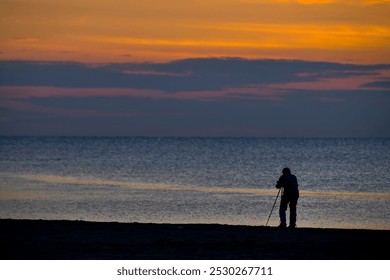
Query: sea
[343,182]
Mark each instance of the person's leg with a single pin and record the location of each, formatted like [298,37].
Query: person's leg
[293,212]
[282,211]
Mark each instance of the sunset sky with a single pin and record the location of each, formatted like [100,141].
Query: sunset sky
[195,68]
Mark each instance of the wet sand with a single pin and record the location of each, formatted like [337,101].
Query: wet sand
[78,240]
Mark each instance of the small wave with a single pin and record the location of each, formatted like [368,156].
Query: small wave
[166,187]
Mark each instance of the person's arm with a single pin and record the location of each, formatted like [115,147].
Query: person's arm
[279,183]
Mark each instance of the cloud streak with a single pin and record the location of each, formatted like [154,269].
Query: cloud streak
[181,75]
[195,97]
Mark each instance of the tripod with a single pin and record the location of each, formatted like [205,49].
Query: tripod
[273,207]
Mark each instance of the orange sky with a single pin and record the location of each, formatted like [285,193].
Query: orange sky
[347,31]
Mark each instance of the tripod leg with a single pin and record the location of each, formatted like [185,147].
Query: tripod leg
[273,207]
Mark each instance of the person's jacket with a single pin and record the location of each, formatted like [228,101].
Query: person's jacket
[290,185]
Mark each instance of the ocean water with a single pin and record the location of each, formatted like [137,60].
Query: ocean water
[344,183]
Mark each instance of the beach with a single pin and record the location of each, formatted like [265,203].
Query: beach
[81,240]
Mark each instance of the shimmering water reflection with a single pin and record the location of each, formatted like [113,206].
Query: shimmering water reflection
[343,183]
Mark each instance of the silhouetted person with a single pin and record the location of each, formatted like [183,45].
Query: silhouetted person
[290,195]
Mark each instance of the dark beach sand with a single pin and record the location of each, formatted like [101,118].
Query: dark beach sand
[78,240]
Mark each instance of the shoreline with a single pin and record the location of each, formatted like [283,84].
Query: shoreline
[82,240]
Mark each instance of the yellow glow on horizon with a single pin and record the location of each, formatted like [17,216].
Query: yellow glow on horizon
[306,2]
[319,2]
[103,31]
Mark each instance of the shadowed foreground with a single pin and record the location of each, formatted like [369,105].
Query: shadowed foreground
[77,240]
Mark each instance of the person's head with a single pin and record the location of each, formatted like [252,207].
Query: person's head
[286,171]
